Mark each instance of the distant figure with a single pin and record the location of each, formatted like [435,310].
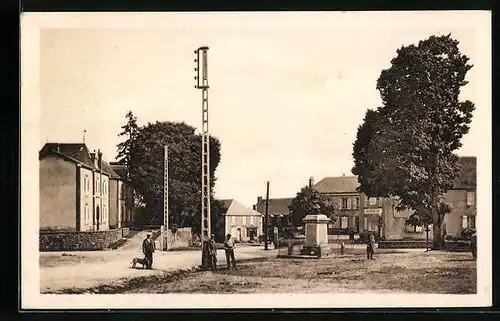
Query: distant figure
[229,248]
[213,253]
[473,245]
[148,248]
[370,247]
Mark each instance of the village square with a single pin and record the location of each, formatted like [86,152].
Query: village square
[134,201]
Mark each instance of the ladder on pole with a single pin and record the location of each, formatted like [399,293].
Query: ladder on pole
[202,83]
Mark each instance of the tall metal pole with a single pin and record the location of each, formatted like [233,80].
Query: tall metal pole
[266,218]
[165,201]
[202,83]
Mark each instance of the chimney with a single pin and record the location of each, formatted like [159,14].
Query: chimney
[93,158]
[99,159]
[254,207]
[311,181]
[259,199]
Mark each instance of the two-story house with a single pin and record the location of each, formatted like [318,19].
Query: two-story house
[461,197]
[243,223]
[354,211]
[278,212]
[75,189]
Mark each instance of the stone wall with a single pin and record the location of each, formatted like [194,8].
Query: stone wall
[78,241]
[125,231]
[182,238]
[416,244]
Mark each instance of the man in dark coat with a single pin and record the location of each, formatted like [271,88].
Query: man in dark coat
[473,245]
[148,248]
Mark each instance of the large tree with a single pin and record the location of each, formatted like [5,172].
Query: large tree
[405,149]
[309,201]
[146,171]
[130,131]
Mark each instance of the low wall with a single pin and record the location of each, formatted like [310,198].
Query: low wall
[403,244]
[125,231]
[457,246]
[182,238]
[78,241]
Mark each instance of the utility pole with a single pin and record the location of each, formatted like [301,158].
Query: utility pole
[164,232]
[202,83]
[266,218]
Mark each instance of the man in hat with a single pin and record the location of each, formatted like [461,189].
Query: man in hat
[148,248]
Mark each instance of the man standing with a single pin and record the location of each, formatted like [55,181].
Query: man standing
[213,253]
[370,247]
[229,248]
[205,256]
[148,247]
[473,245]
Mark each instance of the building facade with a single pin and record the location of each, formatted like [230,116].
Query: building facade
[278,213]
[76,189]
[461,198]
[243,223]
[354,211]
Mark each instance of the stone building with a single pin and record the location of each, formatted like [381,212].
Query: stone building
[354,211]
[243,223]
[79,191]
[461,198]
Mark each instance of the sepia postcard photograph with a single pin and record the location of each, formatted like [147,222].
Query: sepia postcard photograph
[256,160]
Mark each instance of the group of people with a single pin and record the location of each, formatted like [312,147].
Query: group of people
[210,252]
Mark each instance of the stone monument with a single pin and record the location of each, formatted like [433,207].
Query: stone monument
[316,232]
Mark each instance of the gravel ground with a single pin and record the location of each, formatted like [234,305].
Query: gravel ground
[409,271]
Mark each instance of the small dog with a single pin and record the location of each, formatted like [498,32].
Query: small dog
[137,260]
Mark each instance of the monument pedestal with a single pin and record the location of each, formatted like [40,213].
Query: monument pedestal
[316,230]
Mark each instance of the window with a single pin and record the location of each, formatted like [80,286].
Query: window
[373,226]
[344,222]
[344,203]
[86,214]
[468,222]
[356,203]
[372,200]
[470,198]
[464,222]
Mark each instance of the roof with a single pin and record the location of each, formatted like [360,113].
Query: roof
[119,169]
[342,184]
[277,206]
[468,173]
[236,208]
[77,153]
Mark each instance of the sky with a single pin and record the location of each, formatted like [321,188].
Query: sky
[287,91]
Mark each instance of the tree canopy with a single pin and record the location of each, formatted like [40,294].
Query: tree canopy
[309,201]
[405,148]
[144,154]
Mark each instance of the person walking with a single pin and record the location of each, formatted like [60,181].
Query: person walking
[370,247]
[148,248]
[229,249]
[213,253]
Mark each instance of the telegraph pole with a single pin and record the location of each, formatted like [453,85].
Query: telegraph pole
[202,83]
[266,218]
[164,231]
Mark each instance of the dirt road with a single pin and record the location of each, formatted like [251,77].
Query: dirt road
[81,270]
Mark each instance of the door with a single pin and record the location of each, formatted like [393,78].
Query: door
[239,234]
[97,216]
[356,224]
